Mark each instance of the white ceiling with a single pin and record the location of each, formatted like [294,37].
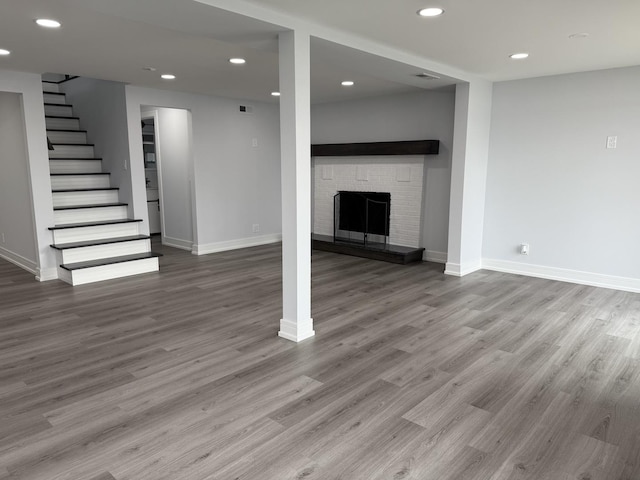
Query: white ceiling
[115,39]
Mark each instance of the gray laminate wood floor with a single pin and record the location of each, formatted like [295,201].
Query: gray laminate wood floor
[412,375]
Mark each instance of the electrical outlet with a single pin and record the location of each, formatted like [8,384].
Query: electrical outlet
[612,142]
[524,249]
[2,235]
[254,142]
[256,228]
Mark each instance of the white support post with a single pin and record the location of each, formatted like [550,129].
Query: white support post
[469,177]
[295,144]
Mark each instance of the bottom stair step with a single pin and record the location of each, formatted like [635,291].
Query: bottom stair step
[108,268]
[109,261]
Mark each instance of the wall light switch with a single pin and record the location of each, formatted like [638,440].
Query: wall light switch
[612,142]
[327,172]
[254,142]
[362,173]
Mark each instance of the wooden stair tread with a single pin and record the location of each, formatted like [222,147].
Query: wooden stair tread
[61,116]
[104,241]
[109,261]
[93,205]
[74,173]
[76,158]
[95,224]
[57,104]
[92,189]
[65,130]
[73,144]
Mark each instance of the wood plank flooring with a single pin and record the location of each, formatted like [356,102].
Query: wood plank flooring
[412,375]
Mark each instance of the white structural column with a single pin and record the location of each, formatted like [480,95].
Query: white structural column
[469,177]
[295,144]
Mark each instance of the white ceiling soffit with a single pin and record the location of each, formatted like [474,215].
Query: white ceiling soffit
[478,37]
[115,39]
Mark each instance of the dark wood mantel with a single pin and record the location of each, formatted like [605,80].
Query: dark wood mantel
[410,147]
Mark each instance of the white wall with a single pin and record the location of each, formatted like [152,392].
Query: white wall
[553,183]
[173,131]
[30,87]
[101,106]
[413,116]
[236,185]
[17,233]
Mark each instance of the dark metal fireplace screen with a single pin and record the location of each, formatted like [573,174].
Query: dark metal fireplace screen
[361,217]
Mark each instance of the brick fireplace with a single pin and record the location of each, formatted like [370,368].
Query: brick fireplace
[401,176]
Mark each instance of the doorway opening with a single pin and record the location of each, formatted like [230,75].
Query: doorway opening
[168,166]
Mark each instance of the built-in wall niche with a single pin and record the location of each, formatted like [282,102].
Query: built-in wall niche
[151,174]
[149,142]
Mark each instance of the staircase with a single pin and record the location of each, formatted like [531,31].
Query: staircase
[93,237]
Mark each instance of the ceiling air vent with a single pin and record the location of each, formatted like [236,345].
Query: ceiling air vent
[246,109]
[427,76]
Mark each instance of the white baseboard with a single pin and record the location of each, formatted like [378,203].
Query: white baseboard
[46,274]
[433,256]
[460,270]
[564,275]
[177,243]
[19,260]
[295,332]
[236,244]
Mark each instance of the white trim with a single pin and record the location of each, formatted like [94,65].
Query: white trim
[236,244]
[433,256]
[18,260]
[46,274]
[177,243]
[291,330]
[626,284]
[459,270]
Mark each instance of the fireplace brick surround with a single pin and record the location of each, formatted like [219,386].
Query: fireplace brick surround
[402,177]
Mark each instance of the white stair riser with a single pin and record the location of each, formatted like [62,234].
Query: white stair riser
[75,166]
[81,215]
[58,110]
[63,123]
[50,87]
[52,98]
[95,252]
[97,232]
[108,272]
[65,199]
[79,181]
[67,137]
[72,151]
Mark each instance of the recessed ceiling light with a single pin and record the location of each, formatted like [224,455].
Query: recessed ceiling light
[275,94]
[579,35]
[48,23]
[347,83]
[237,61]
[168,76]
[430,12]
[4,52]
[519,56]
